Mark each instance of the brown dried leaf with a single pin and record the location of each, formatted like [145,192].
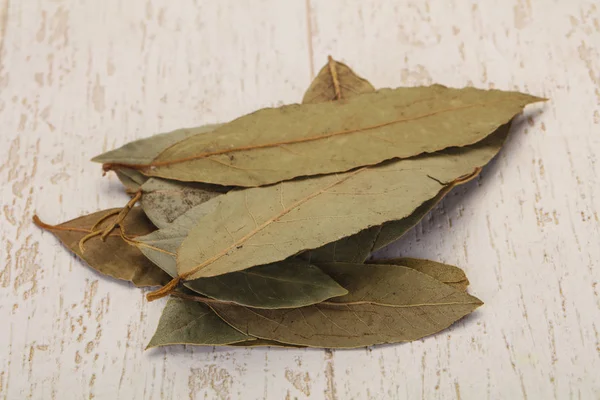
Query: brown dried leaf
[114,257]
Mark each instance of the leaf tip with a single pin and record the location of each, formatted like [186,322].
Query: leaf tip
[99,158]
[42,225]
[477,302]
[536,99]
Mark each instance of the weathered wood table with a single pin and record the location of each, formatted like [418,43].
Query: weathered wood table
[79,77]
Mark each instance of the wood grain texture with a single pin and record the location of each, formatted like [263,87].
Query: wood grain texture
[78,78]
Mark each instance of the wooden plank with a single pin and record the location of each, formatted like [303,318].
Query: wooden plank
[77,78]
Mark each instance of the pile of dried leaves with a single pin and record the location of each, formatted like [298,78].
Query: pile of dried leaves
[259,229]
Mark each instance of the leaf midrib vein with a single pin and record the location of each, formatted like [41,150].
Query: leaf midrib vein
[267,223]
[302,140]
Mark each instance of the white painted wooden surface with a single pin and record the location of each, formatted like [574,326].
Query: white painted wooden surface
[78,77]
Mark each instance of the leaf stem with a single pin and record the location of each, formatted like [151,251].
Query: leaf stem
[169,288]
[40,224]
[104,233]
[47,227]
[105,217]
[122,214]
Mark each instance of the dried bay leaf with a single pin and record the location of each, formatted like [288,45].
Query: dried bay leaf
[163,200]
[267,224]
[448,274]
[286,284]
[190,322]
[141,151]
[336,81]
[289,283]
[145,150]
[385,304]
[114,257]
[276,144]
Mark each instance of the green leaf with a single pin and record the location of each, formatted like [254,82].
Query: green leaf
[267,224]
[385,304]
[276,144]
[336,75]
[114,257]
[448,274]
[190,322]
[163,201]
